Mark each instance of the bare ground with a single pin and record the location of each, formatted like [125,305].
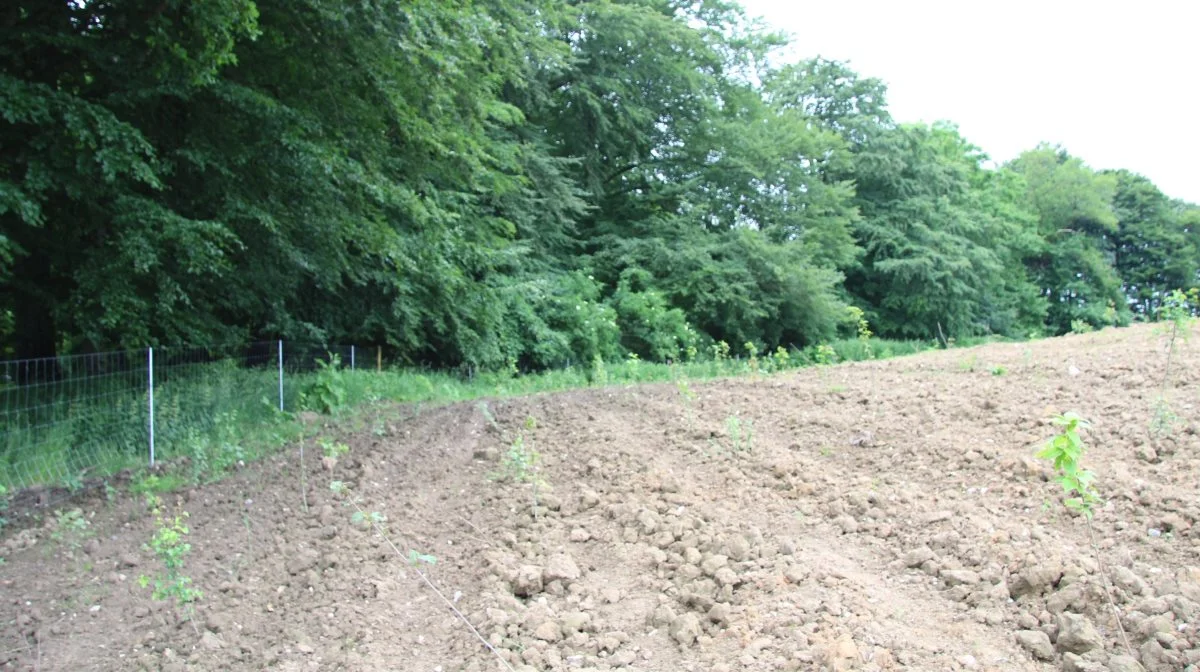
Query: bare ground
[883,515]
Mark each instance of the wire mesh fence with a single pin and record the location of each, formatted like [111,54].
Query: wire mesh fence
[67,419]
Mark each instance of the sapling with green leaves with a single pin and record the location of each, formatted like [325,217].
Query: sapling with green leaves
[1176,316]
[1065,452]
[169,545]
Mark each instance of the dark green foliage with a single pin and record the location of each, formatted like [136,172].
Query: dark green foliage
[519,184]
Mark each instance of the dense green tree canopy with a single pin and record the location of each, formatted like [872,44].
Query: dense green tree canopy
[519,183]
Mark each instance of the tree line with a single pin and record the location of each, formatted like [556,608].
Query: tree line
[520,183]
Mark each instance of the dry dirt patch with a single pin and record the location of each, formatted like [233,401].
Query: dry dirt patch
[873,516]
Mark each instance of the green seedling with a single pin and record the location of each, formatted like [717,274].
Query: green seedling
[520,461]
[862,330]
[752,356]
[327,392]
[999,370]
[1065,452]
[782,359]
[170,546]
[740,433]
[1176,316]
[71,527]
[329,448]
[824,355]
[414,557]
[969,363]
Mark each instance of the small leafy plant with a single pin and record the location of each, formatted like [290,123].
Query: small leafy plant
[331,451]
[169,544]
[327,391]
[1176,315]
[824,355]
[740,433]
[70,527]
[1065,451]
[414,558]
[998,370]
[1081,327]
[862,330]
[521,460]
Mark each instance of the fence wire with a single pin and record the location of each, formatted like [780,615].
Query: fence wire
[64,420]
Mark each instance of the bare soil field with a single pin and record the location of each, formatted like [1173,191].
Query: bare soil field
[872,516]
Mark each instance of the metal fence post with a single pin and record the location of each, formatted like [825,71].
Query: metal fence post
[281,375]
[150,388]
[352,358]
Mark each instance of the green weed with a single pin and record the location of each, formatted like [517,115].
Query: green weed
[326,393]
[170,547]
[999,370]
[520,461]
[70,528]
[1176,315]
[740,433]
[1065,452]
[824,355]
[862,330]
[332,449]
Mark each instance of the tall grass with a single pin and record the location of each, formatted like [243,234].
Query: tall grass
[210,416]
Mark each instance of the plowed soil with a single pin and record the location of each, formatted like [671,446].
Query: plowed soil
[871,516]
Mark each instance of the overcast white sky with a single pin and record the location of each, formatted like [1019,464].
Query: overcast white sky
[1116,83]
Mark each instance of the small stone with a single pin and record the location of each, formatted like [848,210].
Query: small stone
[1123,664]
[305,648]
[841,654]
[1037,643]
[130,560]
[209,640]
[548,632]
[712,563]
[795,574]
[960,577]
[580,535]
[726,577]
[719,613]
[918,556]
[847,524]
[1075,663]
[968,662]
[560,567]
[739,549]
[624,658]
[304,560]
[1076,634]
[529,581]
[685,629]
[576,621]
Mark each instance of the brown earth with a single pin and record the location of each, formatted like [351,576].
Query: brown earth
[883,515]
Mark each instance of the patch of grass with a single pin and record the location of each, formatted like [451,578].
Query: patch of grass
[216,415]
